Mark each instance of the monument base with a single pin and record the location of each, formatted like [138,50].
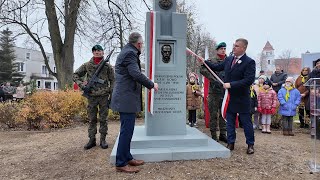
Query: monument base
[193,145]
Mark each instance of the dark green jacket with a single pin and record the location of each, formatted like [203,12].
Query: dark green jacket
[215,86]
[87,70]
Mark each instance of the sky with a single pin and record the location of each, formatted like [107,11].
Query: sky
[286,24]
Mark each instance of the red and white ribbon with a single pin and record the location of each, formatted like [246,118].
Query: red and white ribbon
[226,97]
[225,103]
[152,49]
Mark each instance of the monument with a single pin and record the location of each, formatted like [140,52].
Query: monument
[165,135]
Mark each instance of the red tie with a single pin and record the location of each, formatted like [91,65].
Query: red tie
[234,61]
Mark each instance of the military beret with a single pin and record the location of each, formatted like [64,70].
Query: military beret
[97,47]
[220,45]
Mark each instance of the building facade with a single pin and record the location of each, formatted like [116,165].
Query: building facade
[31,64]
[308,59]
[267,59]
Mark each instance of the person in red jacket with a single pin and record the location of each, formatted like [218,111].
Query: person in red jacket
[267,100]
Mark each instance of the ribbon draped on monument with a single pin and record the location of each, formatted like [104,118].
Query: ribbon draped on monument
[152,50]
[226,96]
[206,84]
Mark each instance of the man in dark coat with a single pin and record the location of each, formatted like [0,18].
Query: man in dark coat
[99,95]
[127,99]
[239,75]
[277,79]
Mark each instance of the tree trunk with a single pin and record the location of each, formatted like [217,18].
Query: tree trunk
[64,64]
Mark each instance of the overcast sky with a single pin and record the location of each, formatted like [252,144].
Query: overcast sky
[287,24]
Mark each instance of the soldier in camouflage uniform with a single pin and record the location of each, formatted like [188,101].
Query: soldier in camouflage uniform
[99,95]
[215,97]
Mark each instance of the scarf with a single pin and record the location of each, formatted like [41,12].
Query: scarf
[265,90]
[261,87]
[288,92]
[252,92]
[303,78]
[97,60]
[221,56]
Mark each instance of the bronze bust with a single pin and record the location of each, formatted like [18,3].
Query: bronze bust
[165,4]
[166,53]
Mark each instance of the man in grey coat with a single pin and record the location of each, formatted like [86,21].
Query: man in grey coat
[277,79]
[127,99]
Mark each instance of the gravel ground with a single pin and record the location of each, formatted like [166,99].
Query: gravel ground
[59,154]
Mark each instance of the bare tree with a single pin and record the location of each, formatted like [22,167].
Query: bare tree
[58,22]
[197,38]
[286,61]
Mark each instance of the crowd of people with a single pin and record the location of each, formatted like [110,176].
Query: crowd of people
[251,102]
[9,93]
[267,97]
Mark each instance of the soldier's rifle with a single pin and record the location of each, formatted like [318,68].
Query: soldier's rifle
[95,79]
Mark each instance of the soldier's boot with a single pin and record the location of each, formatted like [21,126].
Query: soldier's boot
[214,135]
[223,138]
[90,144]
[103,143]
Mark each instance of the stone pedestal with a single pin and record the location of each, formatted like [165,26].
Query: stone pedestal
[165,135]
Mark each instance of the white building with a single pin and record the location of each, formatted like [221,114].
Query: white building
[267,59]
[31,64]
[308,59]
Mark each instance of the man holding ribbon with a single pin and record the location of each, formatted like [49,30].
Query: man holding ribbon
[239,75]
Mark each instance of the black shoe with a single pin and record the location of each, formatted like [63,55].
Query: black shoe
[306,126]
[191,125]
[302,125]
[223,138]
[230,147]
[250,149]
[103,144]
[91,144]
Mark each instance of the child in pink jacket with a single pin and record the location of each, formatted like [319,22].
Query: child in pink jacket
[267,100]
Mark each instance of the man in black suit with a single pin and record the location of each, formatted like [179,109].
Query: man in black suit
[127,99]
[239,75]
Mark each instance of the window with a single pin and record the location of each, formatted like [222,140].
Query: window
[21,67]
[48,57]
[47,85]
[268,53]
[269,62]
[54,69]
[55,86]
[28,56]
[38,84]
[44,70]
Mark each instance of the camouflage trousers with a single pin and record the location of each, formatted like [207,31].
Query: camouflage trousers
[93,103]
[214,104]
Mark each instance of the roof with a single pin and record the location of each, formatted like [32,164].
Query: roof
[268,47]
